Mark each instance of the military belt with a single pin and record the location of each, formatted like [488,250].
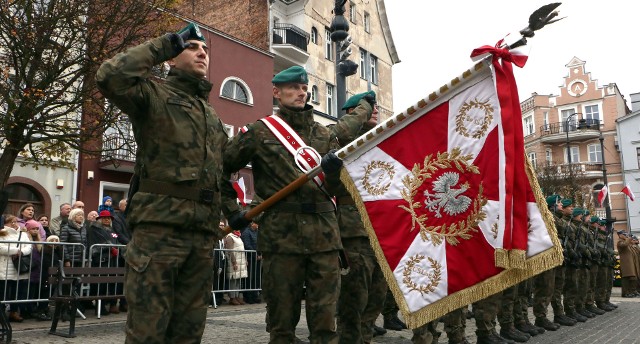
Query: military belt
[303,208]
[174,190]
[345,200]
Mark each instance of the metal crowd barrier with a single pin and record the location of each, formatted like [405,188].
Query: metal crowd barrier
[224,280]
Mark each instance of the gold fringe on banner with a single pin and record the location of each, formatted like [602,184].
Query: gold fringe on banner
[517,258]
[502,258]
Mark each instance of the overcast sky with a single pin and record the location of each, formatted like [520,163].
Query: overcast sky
[435,38]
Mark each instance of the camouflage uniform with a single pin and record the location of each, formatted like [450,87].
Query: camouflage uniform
[544,285]
[604,281]
[180,141]
[485,312]
[582,273]
[594,269]
[454,326]
[299,237]
[570,290]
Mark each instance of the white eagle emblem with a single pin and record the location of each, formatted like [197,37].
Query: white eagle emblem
[445,198]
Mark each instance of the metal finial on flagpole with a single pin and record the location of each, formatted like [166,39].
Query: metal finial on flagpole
[537,20]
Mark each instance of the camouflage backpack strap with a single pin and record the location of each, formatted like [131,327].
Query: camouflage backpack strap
[305,157]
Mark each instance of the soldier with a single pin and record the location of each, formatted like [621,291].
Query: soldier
[594,270]
[584,263]
[520,309]
[390,314]
[364,286]
[506,318]
[485,312]
[544,284]
[454,326]
[570,291]
[299,236]
[604,282]
[178,168]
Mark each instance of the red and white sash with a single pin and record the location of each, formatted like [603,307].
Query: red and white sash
[306,157]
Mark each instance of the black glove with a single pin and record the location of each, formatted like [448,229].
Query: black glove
[370,97]
[179,42]
[331,163]
[237,220]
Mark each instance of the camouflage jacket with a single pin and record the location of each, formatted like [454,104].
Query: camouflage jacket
[273,168]
[180,137]
[570,232]
[583,241]
[607,255]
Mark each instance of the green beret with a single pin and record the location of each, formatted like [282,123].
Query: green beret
[552,200]
[194,32]
[577,211]
[295,74]
[602,222]
[567,202]
[586,212]
[594,219]
[355,99]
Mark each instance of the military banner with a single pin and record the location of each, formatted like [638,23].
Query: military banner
[453,211]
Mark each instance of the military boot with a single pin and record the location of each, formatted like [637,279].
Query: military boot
[545,324]
[527,327]
[390,324]
[463,341]
[605,307]
[593,309]
[514,334]
[585,312]
[577,316]
[490,338]
[564,320]
[612,305]
[399,322]
[378,331]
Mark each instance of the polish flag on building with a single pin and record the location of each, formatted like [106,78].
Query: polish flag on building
[627,191]
[453,212]
[241,190]
[603,194]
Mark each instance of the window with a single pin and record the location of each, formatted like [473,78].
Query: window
[595,154]
[352,12]
[548,156]
[527,123]
[236,89]
[367,22]
[571,124]
[328,47]
[373,64]
[368,66]
[545,117]
[575,155]
[330,104]
[314,94]
[638,155]
[363,64]
[591,114]
[532,158]
[314,35]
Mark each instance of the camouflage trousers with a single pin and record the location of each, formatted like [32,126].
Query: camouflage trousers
[570,291]
[484,312]
[591,292]
[604,283]
[505,311]
[361,292]
[390,307]
[583,277]
[543,289]
[521,303]
[168,284]
[454,325]
[283,278]
[558,288]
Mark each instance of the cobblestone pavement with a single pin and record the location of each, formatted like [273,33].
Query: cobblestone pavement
[245,324]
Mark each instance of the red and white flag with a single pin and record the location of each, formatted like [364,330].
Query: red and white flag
[603,194]
[446,197]
[241,190]
[627,191]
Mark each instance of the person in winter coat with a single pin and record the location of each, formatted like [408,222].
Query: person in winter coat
[74,232]
[39,310]
[236,265]
[100,232]
[26,213]
[11,281]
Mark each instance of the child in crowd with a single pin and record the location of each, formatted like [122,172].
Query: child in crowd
[107,203]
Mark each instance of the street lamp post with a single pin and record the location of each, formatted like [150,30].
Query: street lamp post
[607,201]
[344,66]
[566,129]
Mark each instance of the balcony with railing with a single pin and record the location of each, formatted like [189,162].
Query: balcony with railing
[118,153]
[577,169]
[290,43]
[583,129]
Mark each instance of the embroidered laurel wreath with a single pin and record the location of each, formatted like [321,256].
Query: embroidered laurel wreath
[483,122]
[412,182]
[435,276]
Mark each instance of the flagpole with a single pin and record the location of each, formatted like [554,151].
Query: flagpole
[543,16]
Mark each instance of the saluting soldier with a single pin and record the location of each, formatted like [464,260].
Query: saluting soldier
[363,288]
[174,213]
[299,236]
